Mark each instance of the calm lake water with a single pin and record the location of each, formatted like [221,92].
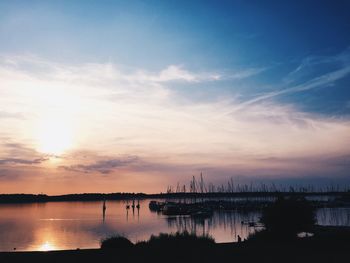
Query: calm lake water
[71,225]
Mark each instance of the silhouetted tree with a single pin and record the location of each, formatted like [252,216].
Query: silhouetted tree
[116,242]
[183,240]
[287,217]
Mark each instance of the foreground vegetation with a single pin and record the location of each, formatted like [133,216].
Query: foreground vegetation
[329,244]
[179,240]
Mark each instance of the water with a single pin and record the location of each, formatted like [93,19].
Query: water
[71,225]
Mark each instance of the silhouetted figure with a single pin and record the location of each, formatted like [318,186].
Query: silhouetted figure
[239,239]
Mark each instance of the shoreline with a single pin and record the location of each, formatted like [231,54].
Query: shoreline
[300,251]
[43,198]
[323,235]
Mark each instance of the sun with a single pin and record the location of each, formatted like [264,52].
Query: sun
[55,135]
[47,246]
[56,120]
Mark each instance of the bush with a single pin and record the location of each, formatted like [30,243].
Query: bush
[116,242]
[287,217]
[184,240]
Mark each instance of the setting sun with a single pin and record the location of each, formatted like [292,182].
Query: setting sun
[55,136]
[47,246]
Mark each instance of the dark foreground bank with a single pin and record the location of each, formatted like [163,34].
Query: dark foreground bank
[330,244]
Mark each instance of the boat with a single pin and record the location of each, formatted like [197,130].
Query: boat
[202,214]
[175,209]
[156,206]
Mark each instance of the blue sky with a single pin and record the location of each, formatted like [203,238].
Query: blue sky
[281,65]
[200,35]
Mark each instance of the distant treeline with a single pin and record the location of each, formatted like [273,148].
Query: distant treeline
[31,198]
[28,198]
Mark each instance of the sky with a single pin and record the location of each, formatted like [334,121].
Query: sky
[133,96]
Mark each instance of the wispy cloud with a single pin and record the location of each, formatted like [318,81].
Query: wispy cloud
[318,64]
[102,166]
[20,154]
[242,74]
[320,81]
[106,71]
[323,79]
[22,161]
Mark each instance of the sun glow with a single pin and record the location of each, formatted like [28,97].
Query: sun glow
[55,135]
[47,246]
[57,118]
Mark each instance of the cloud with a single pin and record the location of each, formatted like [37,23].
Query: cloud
[323,161]
[310,74]
[104,71]
[176,73]
[109,75]
[16,149]
[10,115]
[318,65]
[245,73]
[321,81]
[102,166]
[20,154]
[22,161]
[96,103]
[9,175]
